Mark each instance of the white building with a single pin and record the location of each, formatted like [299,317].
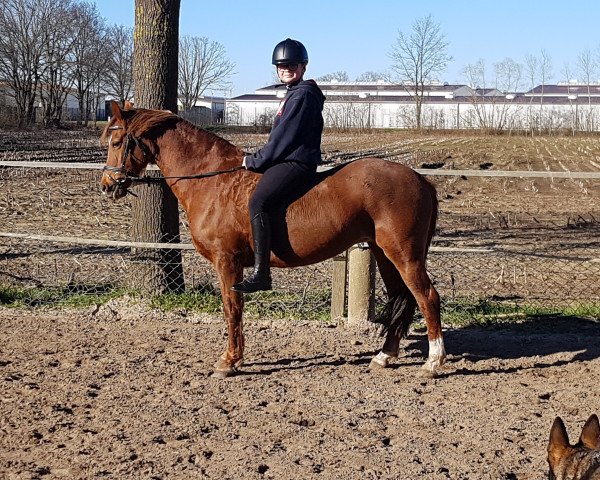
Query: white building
[387,105]
[206,111]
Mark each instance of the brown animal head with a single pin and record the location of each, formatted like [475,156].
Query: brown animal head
[574,462]
[130,145]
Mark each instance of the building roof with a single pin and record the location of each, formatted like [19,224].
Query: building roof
[382,92]
[565,89]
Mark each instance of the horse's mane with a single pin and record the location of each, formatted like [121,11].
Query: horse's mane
[143,122]
[140,122]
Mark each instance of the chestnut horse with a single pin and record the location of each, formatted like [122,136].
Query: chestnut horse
[386,204]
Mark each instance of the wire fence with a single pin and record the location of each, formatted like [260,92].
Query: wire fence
[504,239]
[501,243]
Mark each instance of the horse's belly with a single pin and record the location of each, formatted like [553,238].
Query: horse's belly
[312,244]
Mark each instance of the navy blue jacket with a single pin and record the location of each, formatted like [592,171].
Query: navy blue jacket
[297,129]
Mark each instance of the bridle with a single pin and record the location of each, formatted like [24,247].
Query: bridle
[129,145]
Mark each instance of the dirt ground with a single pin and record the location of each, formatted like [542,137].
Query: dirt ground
[121,392]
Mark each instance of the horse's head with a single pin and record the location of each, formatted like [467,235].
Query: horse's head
[127,155]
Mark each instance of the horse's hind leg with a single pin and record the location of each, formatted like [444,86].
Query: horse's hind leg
[396,291]
[414,275]
[417,280]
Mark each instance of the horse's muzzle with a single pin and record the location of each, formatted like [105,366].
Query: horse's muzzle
[115,188]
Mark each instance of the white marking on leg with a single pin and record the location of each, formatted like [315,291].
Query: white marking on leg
[382,359]
[437,355]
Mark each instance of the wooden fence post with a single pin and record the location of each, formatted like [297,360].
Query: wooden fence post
[338,286]
[361,285]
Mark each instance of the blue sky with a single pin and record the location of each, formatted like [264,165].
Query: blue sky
[358,36]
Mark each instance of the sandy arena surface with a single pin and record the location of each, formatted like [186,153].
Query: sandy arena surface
[126,393]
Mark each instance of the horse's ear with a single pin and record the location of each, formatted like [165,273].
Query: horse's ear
[116,110]
[127,105]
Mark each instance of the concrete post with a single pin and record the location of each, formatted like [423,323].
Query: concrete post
[361,286]
[338,286]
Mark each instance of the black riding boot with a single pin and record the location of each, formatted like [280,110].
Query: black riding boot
[261,276]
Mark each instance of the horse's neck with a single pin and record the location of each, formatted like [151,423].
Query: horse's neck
[191,151]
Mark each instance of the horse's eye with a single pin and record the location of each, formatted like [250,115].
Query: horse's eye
[116,144]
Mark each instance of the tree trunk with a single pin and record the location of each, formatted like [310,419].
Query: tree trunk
[155,212]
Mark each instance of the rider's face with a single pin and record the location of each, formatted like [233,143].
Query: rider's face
[291,73]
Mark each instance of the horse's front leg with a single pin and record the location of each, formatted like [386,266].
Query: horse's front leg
[230,271]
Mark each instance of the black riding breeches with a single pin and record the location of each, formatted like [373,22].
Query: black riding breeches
[280,185]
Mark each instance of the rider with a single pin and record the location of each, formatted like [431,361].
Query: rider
[289,159]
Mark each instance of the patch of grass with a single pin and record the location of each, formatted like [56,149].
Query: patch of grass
[76,296]
[274,304]
[313,305]
[204,298]
[485,312]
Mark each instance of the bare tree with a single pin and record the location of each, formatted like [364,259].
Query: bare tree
[118,79]
[531,69]
[57,72]
[539,70]
[476,75]
[339,76]
[203,64]
[509,75]
[346,115]
[43,54]
[23,27]
[567,76]
[491,97]
[155,212]
[371,77]
[508,80]
[587,67]
[417,57]
[89,57]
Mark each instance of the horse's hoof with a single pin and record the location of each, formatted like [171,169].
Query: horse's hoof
[375,364]
[381,360]
[225,373]
[427,373]
[222,364]
[224,369]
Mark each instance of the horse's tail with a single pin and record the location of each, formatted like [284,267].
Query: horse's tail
[399,311]
[434,212]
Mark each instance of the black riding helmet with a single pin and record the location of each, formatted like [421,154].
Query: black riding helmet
[289,51]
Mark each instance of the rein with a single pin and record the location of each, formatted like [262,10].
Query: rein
[130,143]
[146,179]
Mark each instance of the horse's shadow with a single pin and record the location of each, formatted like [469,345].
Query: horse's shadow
[541,336]
[537,337]
[268,367]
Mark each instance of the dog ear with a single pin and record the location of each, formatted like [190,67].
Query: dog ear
[590,435]
[559,442]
